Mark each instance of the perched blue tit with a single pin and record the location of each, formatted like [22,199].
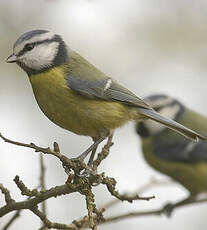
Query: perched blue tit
[171,154]
[77,96]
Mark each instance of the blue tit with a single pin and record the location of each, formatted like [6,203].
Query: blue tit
[171,154]
[77,96]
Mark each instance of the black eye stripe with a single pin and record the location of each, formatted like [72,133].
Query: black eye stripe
[60,58]
[24,50]
[29,46]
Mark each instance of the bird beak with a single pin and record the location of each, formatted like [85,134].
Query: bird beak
[11,59]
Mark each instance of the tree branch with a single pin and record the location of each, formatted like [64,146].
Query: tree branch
[13,218]
[7,195]
[75,183]
[65,161]
[151,184]
[42,183]
[111,183]
[39,197]
[156,212]
[48,223]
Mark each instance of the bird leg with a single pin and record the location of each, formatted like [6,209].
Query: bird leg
[90,161]
[108,144]
[82,156]
[88,169]
[92,148]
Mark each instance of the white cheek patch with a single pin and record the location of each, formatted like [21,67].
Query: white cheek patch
[38,38]
[41,56]
[170,112]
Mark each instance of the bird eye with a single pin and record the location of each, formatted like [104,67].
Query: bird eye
[29,47]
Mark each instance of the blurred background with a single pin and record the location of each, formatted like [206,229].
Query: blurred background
[149,46]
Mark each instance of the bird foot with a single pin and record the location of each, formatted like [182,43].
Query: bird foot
[83,170]
[77,165]
[87,171]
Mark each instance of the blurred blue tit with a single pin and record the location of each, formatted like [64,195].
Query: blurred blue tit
[77,96]
[171,154]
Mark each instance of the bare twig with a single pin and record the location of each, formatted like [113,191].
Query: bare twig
[13,218]
[155,212]
[77,167]
[7,195]
[104,153]
[42,182]
[83,223]
[97,179]
[111,183]
[151,184]
[48,223]
[82,185]
[23,188]
[11,221]
[56,147]
[90,202]
[39,197]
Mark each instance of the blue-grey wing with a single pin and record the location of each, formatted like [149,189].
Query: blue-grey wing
[105,89]
[91,89]
[186,151]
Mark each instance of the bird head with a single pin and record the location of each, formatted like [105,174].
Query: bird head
[38,50]
[166,106]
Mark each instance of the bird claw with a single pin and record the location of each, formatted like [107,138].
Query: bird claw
[87,172]
[77,160]
[87,168]
[67,170]
[90,172]
[79,165]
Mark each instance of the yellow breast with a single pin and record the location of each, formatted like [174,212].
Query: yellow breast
[72,111]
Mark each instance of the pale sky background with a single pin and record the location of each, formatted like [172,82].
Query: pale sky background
[149,46]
